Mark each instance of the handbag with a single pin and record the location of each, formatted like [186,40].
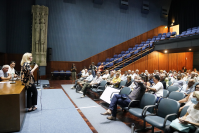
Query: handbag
[181,127]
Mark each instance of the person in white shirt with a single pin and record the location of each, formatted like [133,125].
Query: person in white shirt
[95,81]
[129,72]
[11,70]
[105,76]
[88,79]
[83,76]
[3,73]
[146,73]
[157,87]
[124,76]
[135,74]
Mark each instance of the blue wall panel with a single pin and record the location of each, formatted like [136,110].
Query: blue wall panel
[82,29]
[3,26]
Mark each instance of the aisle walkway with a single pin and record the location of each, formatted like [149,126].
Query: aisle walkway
[55,114]
[92,111]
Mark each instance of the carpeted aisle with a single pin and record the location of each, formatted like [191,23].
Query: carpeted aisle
[58,115]
[92,111]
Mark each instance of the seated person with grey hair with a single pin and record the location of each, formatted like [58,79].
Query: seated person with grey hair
[187,88]
[105,76]
[95,81]
[88,79]
[83,76]
[124,76]
[3,73]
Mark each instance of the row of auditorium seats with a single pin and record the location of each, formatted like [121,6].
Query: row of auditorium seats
[157,114]
[189,32]
[125,55]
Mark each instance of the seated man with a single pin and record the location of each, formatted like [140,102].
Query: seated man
[129,72]
[157,88]
[124,100]
[11,69]
[87,80]
[95,81]
[124,76]
[187,100]
[83,76]
[128,82]
[116,80]
[110,77]
[187,88]
[105,76]
[192,77]
[3,73]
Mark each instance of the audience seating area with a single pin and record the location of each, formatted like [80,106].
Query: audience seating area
[157,114]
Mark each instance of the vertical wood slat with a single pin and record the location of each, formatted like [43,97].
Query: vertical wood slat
[160,61]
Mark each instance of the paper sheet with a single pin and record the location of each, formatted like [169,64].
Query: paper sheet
[107,93]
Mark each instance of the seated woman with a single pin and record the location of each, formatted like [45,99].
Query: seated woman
[191,117]
[124,100]
[128,82]
[116,80]
[187,100]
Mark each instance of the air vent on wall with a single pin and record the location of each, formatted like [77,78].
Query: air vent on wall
[145,7]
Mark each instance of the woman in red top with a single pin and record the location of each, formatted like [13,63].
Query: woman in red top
[101,67]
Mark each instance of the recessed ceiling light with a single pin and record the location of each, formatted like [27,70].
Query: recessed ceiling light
[190,49]
[165,51]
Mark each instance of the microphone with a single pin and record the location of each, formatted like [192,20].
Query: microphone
[33,63]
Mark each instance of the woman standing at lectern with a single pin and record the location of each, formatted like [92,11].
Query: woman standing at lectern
[28,80]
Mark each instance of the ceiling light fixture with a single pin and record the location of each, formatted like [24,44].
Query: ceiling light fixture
[165,51]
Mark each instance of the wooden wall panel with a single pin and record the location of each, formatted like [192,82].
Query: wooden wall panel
[163,61]
[180,61]
[150,34]
[140,65]
[173,61]
[153,61]
[188,61]
[144,36]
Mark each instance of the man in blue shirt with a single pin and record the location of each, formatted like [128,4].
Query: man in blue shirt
[187,88]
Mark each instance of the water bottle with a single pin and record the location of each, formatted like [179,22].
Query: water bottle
[133,128]
[12,76]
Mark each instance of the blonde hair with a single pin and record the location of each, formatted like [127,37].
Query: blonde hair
[25,58]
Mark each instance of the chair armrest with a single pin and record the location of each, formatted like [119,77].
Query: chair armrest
[166,117]
[144,111]
[100,87]
[131,103]
[112,94]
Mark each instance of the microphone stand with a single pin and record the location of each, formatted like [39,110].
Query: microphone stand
[38,72]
